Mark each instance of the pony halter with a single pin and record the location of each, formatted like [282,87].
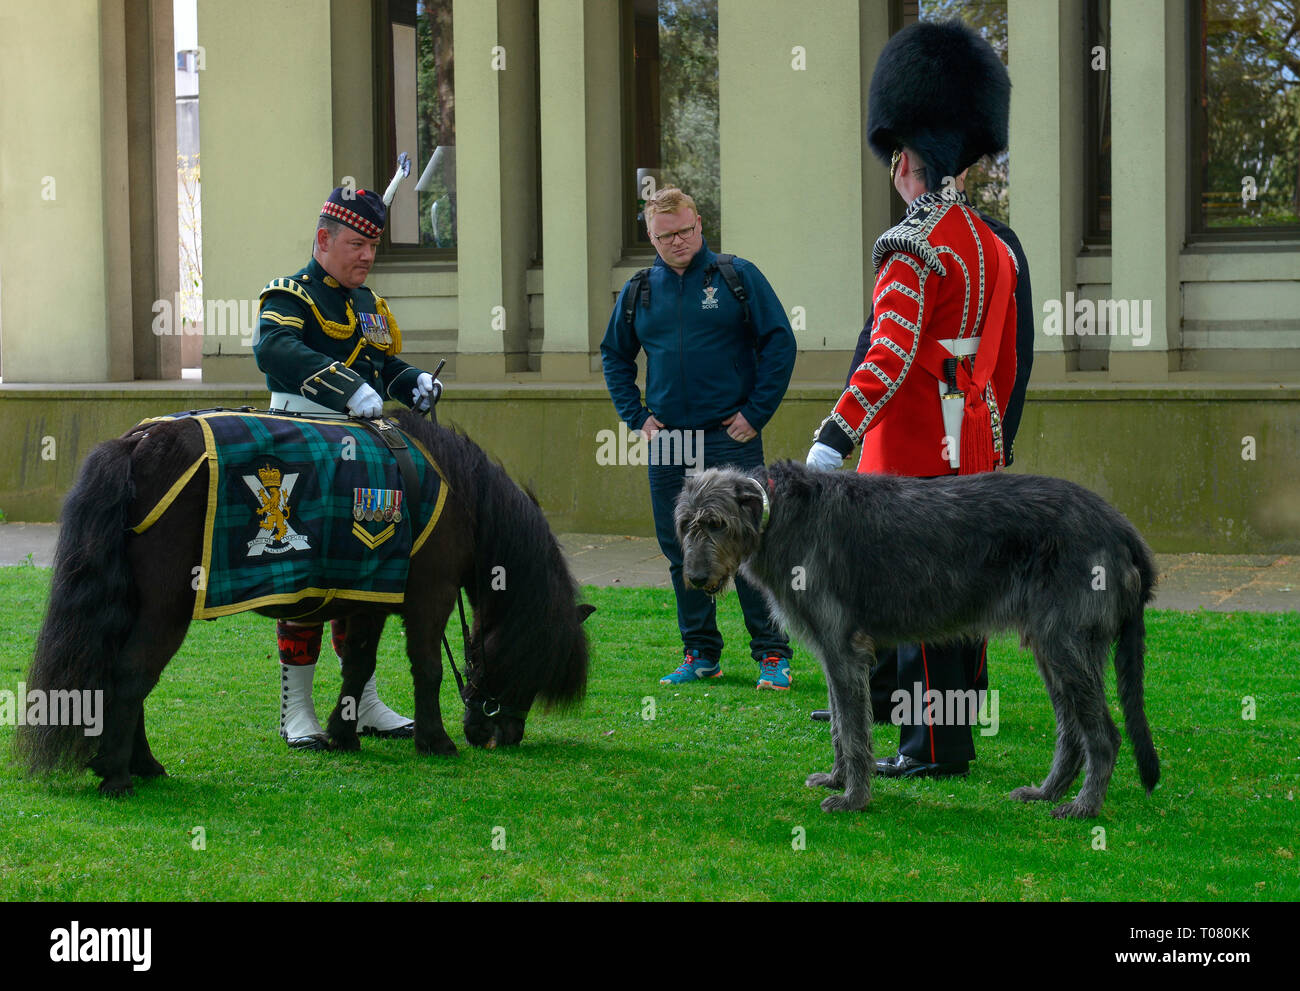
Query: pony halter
[489,705]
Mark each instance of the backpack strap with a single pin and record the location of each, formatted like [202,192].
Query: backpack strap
[638,293]
[727,269]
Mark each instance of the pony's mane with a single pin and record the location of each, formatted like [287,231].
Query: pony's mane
[538,644]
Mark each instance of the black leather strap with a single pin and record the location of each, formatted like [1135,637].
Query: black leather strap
[395,441]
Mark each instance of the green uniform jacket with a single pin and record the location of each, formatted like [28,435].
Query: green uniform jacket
[320,341]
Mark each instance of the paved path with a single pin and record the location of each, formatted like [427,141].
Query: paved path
[1219,582]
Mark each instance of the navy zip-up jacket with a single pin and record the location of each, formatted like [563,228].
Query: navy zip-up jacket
[702,362]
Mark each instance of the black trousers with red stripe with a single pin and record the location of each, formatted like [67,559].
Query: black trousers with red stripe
[949,737]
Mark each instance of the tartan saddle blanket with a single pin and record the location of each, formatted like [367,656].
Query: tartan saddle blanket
[305,510]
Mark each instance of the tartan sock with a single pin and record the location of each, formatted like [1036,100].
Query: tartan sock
[338,636]
[298,644]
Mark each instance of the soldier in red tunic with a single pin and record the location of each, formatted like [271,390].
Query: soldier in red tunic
[930,396]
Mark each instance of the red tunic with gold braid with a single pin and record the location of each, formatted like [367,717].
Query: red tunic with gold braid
[937,272]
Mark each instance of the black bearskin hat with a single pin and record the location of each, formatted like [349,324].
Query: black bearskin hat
[939,88]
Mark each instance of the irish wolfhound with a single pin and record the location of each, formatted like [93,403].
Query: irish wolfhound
[850,562]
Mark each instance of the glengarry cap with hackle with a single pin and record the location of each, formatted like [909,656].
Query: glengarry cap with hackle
[940,89]
[361,209]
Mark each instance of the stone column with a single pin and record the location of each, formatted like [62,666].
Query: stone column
[493,76]
[1045,48]
[266,134]
[1148,180]
[582,197]
[65,303]
[792,166]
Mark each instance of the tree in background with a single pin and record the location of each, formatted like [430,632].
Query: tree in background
[688,94]
[436,115]
[988,183]
[1250,106]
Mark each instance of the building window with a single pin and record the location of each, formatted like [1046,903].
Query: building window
[988,183]
[1245,132]
[672,50]
[1096,84]
[416,114]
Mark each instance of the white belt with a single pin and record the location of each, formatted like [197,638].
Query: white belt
[961,347]
[299,404]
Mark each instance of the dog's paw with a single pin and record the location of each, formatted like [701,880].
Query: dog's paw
[845,803]
[820,779]
[1029,793]
[1075,810]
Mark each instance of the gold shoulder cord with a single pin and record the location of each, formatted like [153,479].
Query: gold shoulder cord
[336,330]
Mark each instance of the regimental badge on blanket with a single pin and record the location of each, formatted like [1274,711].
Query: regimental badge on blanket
[272,486]
[375,328]
[281,525]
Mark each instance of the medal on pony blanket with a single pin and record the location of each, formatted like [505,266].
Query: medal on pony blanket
[374,327]
[383,505]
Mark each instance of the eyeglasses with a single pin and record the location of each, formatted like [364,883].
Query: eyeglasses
[684,233]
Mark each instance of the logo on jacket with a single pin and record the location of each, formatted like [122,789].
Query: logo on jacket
[710,300]
[272,489]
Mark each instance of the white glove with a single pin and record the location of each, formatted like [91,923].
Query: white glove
[426,392]
[823,457]
[365,402]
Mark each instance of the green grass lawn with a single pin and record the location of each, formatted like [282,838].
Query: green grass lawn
[703,801]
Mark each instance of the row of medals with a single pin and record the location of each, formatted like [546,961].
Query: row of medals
[376,331]
[370,515]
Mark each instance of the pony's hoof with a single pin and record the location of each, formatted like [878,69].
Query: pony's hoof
[116,789]
[345,743]
[820,779]
[438,748]
[1029,794]
[148,769]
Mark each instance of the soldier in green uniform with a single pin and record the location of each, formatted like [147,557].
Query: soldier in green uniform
[329,345]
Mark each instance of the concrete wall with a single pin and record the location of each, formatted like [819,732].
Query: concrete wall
[284,123]
[1212,469]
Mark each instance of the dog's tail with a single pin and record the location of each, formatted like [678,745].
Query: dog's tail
[1130,663]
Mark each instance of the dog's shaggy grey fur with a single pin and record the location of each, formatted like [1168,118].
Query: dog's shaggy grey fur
[893,560]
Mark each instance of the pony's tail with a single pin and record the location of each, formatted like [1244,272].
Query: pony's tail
[1130,655]
[92,605]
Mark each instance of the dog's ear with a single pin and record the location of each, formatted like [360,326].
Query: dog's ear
[748,496]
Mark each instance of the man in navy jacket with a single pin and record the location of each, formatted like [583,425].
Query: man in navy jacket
[719,353]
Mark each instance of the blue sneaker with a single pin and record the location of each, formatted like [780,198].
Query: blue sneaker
[774,673]
[693,668]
